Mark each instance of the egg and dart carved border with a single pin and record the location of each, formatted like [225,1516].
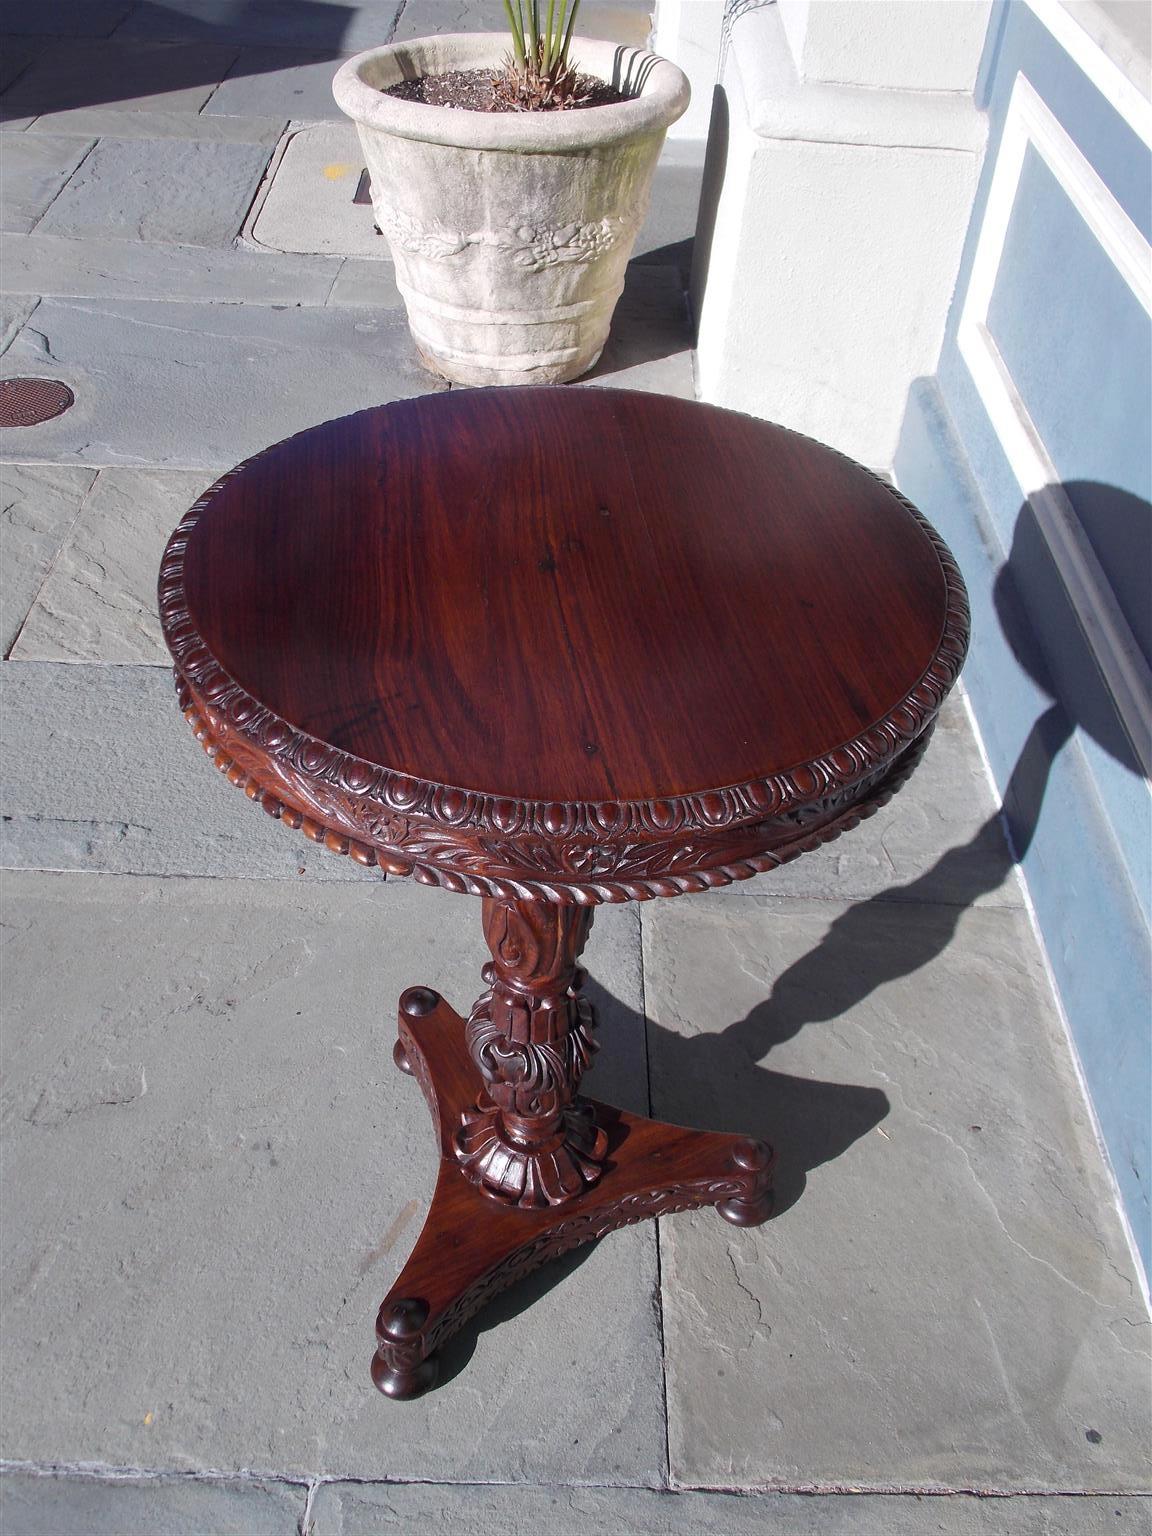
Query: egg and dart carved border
[582,852]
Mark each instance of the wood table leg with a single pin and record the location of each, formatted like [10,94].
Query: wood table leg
[529,1140]
[527,1169]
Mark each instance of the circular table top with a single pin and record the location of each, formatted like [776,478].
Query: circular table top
[567,602]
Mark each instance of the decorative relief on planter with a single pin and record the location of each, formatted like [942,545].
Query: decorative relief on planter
[533,247]
[511,231]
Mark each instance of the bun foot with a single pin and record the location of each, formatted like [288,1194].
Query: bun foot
[755,1203]
[402,1382]
[747,1213]
[403,1365]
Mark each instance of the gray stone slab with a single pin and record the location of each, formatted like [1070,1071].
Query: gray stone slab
[36,167]
[14,60]
[213,1172]
[667,233]
[38,505]
[369,284]
[939,840]
[164,1506]
[328,25]
[65,18]
[308,206]
[196,385]
[619,21]
[945,1299]
[100,772]
[15,308]
[649,345]
[73,76]
[99,603]
[122,269]
[193,192]
[348,1509]
[278,82]
[126,123]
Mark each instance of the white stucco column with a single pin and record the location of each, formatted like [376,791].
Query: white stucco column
[688,33]
[842,162]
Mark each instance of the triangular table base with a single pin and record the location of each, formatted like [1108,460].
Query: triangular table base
[473,1246]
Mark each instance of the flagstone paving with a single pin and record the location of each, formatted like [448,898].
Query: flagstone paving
[195,385]
[101,773]
[237,1167]
[35,170]
[937,1303]
[79,1506]
[55,266]
[15,308]
[77,75]
[99,602]
[277,82]
[38,505]
[212,1170]
[175,190]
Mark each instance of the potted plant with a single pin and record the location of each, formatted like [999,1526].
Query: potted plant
[511,217]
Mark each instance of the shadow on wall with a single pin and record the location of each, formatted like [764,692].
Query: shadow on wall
[167,50]
[715,164]
[1041,627]
[631,68]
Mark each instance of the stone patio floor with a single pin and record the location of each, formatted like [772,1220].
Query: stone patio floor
[211,1171]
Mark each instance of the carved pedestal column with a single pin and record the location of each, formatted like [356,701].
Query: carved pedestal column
[529,1141]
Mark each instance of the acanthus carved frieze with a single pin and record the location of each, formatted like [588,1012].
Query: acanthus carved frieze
[528,868]
[527,1140]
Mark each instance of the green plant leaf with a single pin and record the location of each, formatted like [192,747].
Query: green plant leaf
[516,27]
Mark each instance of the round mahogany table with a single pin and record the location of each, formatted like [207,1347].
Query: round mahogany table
[555,647]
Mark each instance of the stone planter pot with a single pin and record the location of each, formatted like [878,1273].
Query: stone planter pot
[510,231]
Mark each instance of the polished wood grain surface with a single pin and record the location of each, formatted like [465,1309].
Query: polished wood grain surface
[579,595]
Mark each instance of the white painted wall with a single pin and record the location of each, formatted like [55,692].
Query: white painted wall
[688,33]
[915,45]
[839,216]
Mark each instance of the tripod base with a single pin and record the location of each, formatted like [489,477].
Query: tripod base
[473,1246]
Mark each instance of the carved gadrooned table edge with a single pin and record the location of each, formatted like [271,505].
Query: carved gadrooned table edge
[303,811]
[571,852]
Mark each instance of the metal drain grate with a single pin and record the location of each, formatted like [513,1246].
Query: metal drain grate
[26,402]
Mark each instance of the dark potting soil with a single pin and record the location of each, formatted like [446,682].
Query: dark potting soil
[472,90]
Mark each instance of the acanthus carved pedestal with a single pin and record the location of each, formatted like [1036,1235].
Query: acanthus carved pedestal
[529,1140]
[553,649]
